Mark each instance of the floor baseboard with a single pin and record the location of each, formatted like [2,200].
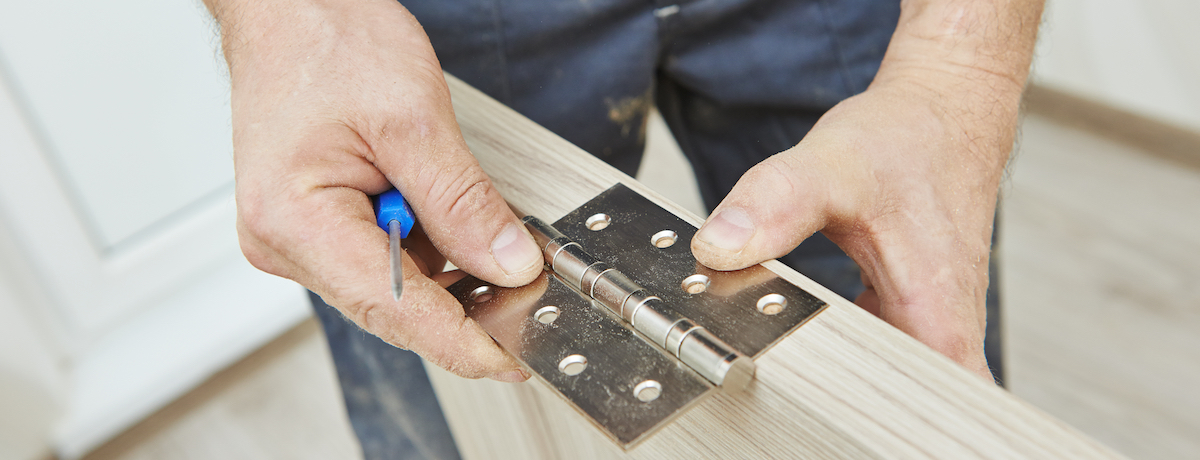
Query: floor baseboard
[1156,137]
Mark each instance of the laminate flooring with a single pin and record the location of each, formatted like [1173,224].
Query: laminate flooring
[1101,274]
[281,402]
[1101,282]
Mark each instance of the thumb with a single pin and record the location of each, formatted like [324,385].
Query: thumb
[773,207]
[466,219]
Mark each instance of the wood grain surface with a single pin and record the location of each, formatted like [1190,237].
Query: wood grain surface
[845,385]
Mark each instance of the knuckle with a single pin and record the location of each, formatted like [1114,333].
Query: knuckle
[254,238]
[364,314]
[375,318]
[422,89]
[464,193]
[775,173]
[428,76]
[958,346]
[254,252]
[252,216]
[460,364]
[953,332]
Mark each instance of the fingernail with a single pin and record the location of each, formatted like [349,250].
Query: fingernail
[515,250]
[730,229]
[516,376]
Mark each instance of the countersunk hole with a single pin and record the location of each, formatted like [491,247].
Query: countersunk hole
[664,239]
[695,284]
[647,391]
[598,222]
[772,304]
[547,314]
[572,365]
[482,294]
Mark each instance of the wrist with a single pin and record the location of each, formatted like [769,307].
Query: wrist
[968,60]
[292,30]
[973,114]
[985,37]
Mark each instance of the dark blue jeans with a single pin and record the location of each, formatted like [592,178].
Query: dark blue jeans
[736,81]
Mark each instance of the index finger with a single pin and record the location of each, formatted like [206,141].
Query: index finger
[329,242]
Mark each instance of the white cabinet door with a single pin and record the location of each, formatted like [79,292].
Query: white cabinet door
[116,182]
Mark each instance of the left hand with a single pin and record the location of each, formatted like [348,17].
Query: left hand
[904,178]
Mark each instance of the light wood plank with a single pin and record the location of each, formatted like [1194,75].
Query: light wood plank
[844,385]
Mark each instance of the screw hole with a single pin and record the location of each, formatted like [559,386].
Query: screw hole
[546,315]
[664,239]
[482,294]
[772,304]
[695,284]
[572,365]
[647,391]
[598,222]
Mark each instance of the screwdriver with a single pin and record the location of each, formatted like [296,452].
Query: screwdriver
[395,217]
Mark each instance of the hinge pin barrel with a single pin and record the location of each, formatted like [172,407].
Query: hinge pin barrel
[614,288]
[705,353]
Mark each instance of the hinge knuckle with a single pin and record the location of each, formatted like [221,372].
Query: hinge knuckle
[713,358]
[613,288]
[648,314]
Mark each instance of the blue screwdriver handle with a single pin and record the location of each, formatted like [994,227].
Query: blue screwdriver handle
[389,206]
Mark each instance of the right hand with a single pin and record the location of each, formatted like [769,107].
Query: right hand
[333,103]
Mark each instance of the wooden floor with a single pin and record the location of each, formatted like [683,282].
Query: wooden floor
[1101,267]
[282,402]
[1101,274]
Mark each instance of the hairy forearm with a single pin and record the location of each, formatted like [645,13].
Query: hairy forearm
[291,29]
[971,55]
[235,19]
[984,39]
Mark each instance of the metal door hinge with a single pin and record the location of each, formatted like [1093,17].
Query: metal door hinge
[625,324]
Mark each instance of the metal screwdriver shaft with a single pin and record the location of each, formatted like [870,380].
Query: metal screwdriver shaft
[393,215]
[397,258]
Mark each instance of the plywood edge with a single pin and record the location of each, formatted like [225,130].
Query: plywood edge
[844,385]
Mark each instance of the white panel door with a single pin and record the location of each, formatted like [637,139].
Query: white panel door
[116,188]
[128,108]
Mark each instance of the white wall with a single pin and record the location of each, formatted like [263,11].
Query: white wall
[1137,55]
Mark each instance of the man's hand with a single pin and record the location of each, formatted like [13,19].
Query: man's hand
[903,177]
[333,103]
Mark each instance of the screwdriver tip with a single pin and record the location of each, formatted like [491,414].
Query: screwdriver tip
[397,259]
